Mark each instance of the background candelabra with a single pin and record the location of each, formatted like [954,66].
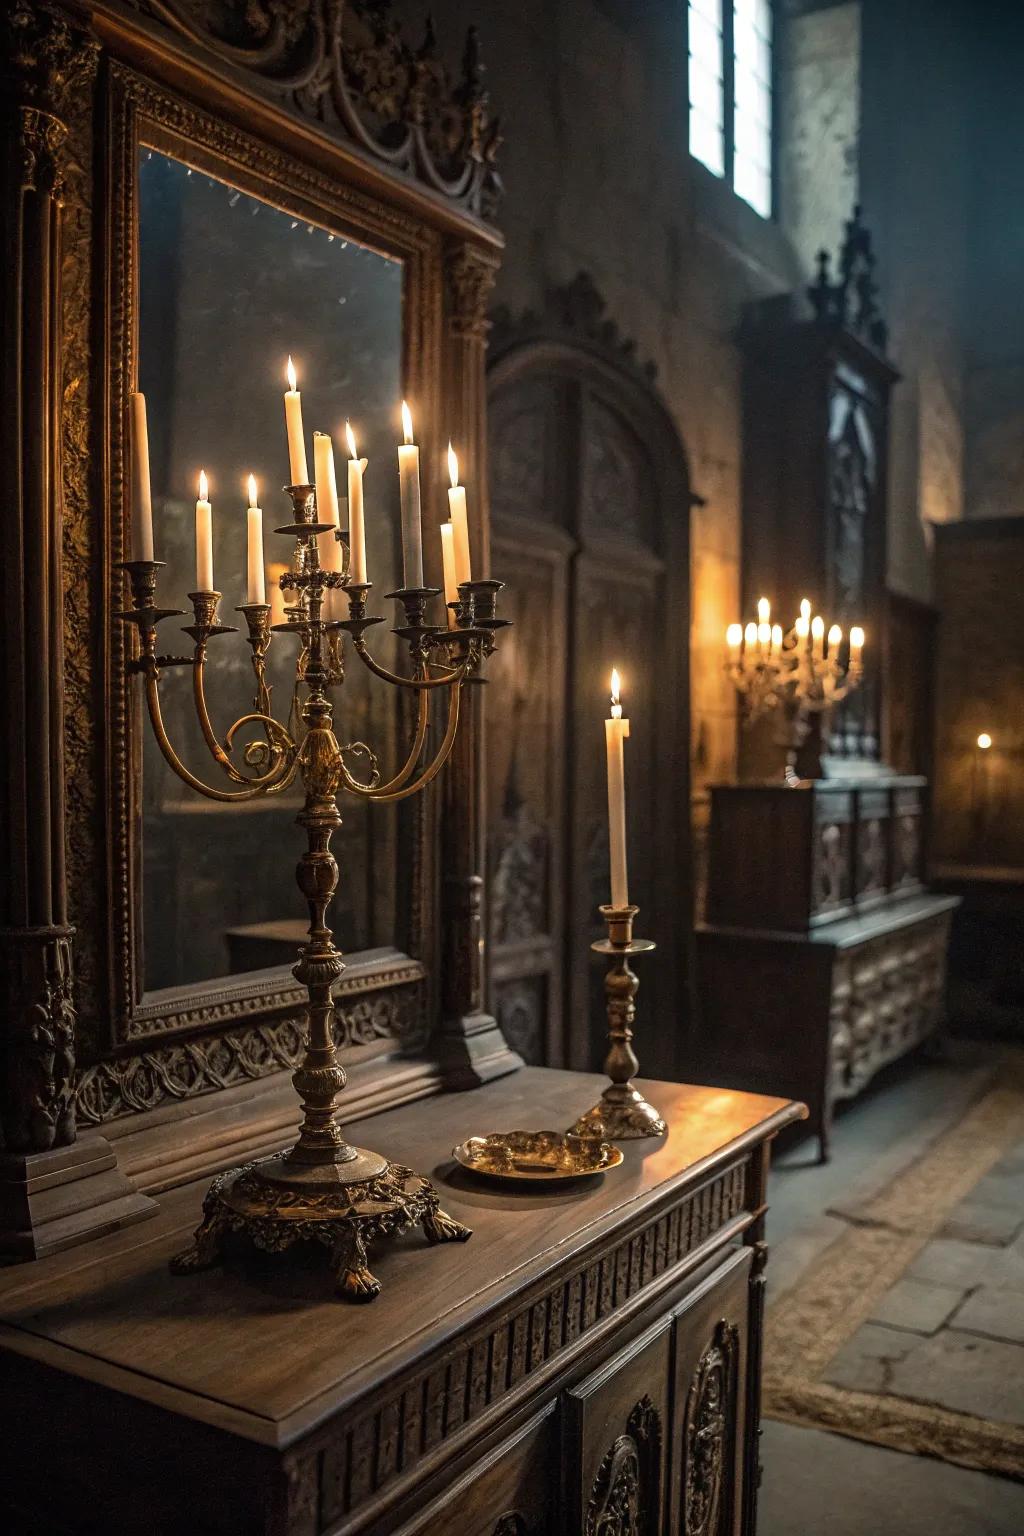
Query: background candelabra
[321,1188]
[800,674]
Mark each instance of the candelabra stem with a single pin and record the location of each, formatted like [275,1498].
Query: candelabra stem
[621,1113]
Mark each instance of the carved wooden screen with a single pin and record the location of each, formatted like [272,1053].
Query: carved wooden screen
[589,504]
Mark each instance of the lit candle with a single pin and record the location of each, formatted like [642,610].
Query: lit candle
[818,634]
[835,638]
[356,526]
[142,503]
[803,623]
[764,610]
[734,639]
[409,491]
[764,635]
[256,591]
[856,645]
[984,741]
[750,636]
[457,505]
[451,585]
[293,421]
[616,730]
[776,637]
[204,537]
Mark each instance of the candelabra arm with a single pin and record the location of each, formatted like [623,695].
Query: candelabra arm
[284,770]
[257,753]
[384,796]
[405,772]
[453,675]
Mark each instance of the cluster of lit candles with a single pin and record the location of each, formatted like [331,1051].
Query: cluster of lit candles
[765,639]
[455,554]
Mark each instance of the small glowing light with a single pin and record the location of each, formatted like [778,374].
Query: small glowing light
[453,465]
[856,637]
[350,438]
[734,635]
[984,741]
[817,626]
[803,627]
[616,704]
[750,633]
[805,608]
[253,502]
[835,635]
[764,634]
[406,422]
[291,374]
[204,486]
[776,637]
[764,610]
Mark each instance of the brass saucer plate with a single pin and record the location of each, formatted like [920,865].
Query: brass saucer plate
[536,1157]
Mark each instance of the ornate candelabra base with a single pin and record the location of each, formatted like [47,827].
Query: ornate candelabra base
[621,1113]
[343,1206]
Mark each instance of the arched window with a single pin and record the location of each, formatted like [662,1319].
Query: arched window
[730,91]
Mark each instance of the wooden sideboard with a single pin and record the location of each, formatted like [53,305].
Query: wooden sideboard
[589,1361]
[824,957]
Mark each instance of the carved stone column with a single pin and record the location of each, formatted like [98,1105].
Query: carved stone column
[45,59]
[472,1047]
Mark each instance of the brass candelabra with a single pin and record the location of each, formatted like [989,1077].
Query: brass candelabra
[621,1113]
[800,674]
[322,1188]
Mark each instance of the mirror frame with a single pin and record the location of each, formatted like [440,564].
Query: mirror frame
[158,76]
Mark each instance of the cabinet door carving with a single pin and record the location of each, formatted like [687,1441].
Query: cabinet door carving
[625,1498]
[710,1432]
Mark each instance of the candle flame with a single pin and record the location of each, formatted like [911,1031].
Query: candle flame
[350,438]
[453,465]
[776,637]
[763,610]
[835,635]
[204,486]
[734,634]
[805,608]
[406,423]
[291,374]
[984,741]
[252,491]
[856,637]
[616,685]
[817,626]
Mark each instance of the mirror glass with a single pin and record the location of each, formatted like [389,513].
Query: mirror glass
[229,287]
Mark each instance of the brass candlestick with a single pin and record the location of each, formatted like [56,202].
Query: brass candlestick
[321,1188]
[621,1113]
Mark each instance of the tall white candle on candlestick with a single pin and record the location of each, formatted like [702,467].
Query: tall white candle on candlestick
[256,586]
[856,645]
[142,502]
[451,585]
[460,522]
[325,479]
[818,635]
[616,730]
[204,537]
[356,525]
[297,470]
[409,490]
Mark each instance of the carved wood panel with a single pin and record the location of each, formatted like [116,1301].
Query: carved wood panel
[586,490]
[616,1423]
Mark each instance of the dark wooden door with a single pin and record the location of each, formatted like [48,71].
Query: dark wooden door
[589,516]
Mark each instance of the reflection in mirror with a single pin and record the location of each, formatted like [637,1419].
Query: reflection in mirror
[229,287]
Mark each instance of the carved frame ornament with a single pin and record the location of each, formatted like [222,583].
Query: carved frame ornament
[393,152]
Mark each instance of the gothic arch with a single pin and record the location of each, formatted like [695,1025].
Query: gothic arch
[590,508]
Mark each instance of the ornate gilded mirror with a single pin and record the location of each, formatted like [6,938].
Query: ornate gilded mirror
[229,287]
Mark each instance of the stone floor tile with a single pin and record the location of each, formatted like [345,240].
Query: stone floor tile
[865,1362]
[972,1221]
[946,1261]
[964,1372]
[1005,1189]
[817,1484]
[916,1305]
[998,1313]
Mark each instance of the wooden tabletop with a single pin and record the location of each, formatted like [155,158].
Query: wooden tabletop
[265,1350]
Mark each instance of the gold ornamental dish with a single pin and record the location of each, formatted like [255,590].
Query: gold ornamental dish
[536,1157]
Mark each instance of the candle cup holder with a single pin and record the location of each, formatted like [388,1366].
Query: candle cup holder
[205,623]
[621,1113]
[144,613]
[305,525]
